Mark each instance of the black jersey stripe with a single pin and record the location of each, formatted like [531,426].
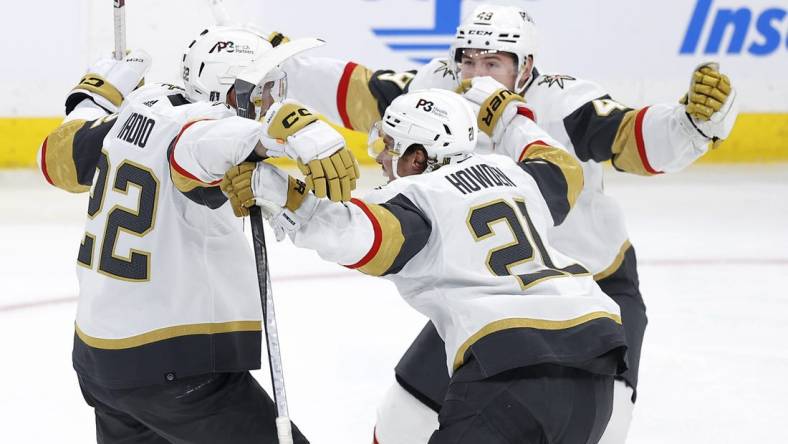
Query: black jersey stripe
[517,342]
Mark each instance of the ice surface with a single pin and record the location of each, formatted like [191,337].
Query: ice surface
[713,249]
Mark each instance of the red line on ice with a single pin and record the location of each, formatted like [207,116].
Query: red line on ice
[347,274]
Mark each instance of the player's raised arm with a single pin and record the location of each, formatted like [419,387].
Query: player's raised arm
[506,119]
[204,150]
[69,154]
[658,138]
[345,92]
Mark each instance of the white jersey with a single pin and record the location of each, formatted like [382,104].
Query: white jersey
[583,118]
[466,245]
[577,113]
[167,280]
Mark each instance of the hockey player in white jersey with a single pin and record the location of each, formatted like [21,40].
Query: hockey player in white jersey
[169,317]
[532,343]
[500,41]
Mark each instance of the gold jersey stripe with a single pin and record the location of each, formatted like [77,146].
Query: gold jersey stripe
[627,155]
[539,324]
[570,167]
[390,238]
[616,264]
[358,106]
[168,333]
[185,184]
[58,157]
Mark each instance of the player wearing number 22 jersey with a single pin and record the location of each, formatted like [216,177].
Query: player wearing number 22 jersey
[168,323]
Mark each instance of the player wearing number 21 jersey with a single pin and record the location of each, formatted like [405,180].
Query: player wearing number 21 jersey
[464,238]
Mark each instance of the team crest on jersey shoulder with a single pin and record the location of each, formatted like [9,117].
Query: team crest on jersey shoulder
[555,79]
[444,69]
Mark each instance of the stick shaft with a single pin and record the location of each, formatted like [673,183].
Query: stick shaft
[119,10]
[269,321]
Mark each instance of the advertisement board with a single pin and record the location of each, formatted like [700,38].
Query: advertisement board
[643,52]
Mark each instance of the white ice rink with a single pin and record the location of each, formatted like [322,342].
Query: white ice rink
[713,249]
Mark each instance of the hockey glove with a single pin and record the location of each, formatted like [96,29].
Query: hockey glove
[497,105]
[711,103]
[109,81]
[292,130]
[280,197]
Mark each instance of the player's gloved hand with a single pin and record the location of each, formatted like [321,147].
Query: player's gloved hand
[711,103]
[284,201]
[109,81]
[292,130]
[497,105]
[237,186]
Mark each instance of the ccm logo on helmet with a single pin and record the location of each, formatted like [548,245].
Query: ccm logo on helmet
[293,117]
[426,105]
[495,103]
[477,32]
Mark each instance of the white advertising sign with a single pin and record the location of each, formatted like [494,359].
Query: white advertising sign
[641,51]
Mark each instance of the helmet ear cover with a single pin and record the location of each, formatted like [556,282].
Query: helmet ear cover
[412,151]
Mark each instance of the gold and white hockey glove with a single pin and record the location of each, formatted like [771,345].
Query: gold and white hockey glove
[711,103]
[109,81]
[497,105]
[292,130]
[250,184]
[281,198]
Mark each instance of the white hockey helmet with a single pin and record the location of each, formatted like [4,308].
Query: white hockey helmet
[437,119]
[217,56]
[495,28]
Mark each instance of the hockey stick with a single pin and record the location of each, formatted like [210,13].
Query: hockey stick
[283,427]
[119,10]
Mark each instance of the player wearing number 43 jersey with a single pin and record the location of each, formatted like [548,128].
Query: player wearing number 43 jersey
[169,317]
[532,343]
[499,41]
